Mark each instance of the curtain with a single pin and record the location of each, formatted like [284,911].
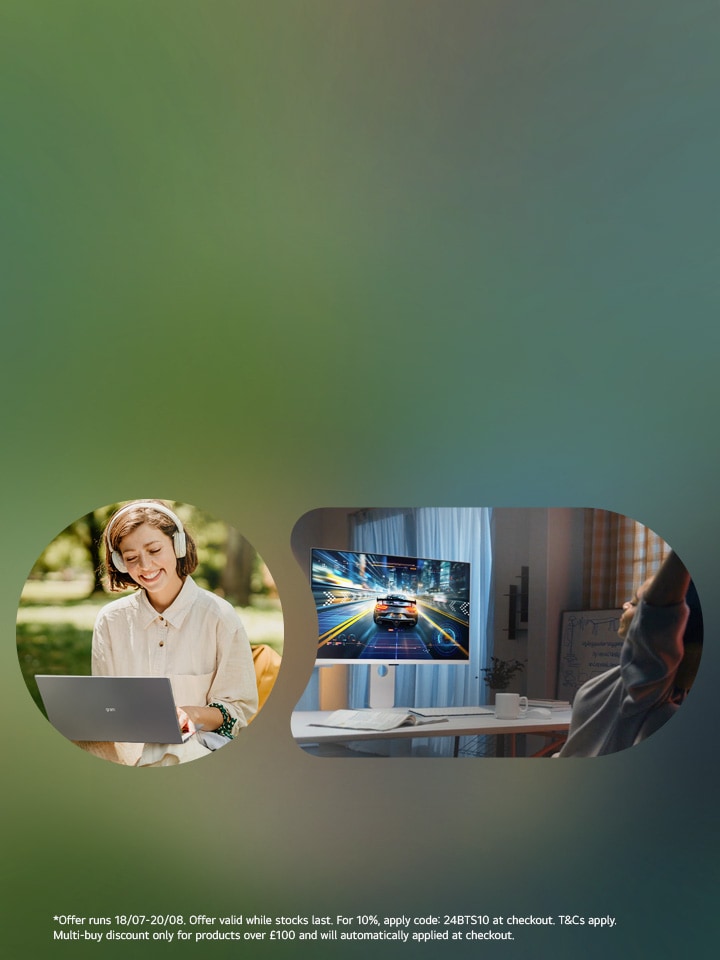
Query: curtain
[310,699]
[455,533]
[620,554]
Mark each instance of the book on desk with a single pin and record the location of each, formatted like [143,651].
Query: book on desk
[375,719]
[550,704]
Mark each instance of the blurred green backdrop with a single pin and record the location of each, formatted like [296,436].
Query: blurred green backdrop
[267,257]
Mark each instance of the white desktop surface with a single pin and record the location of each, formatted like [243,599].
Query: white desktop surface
[304,731]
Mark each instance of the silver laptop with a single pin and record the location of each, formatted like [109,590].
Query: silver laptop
[124,709]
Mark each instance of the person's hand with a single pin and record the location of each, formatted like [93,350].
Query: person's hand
[185,721]
[202,718]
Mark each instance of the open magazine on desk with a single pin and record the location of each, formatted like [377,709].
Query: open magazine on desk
[375,719]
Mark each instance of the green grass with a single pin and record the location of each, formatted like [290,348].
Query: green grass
[52,647]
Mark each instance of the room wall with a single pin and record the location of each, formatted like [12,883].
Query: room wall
[326,527]
[550,542]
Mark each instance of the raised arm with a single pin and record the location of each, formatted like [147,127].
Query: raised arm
[669,585]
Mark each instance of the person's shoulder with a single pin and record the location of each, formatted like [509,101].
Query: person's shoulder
[217,605]
[119,608]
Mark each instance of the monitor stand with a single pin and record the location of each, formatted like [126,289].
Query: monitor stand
[382,686]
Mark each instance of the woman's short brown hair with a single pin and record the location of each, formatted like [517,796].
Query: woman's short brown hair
[129,518]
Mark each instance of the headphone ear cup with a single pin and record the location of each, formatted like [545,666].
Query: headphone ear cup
[118,562]
[180,543]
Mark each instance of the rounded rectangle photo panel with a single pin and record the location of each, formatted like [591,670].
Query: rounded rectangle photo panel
[505,632]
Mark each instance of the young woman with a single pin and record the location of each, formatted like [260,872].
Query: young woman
[172,628]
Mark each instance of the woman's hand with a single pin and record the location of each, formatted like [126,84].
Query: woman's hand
[202,718]
[186,724]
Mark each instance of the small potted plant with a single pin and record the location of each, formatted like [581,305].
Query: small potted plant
[500,672]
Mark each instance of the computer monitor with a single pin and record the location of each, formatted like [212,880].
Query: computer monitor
[388,609]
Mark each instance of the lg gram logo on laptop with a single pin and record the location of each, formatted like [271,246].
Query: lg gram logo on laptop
[109,709]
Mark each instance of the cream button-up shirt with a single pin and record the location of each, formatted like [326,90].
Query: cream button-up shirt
[198,642]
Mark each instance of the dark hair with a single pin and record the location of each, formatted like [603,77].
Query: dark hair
[130,517]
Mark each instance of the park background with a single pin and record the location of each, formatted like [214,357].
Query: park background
[269,257]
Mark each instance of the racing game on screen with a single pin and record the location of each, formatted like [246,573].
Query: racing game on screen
[376,607]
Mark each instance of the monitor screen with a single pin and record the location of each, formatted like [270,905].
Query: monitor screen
[373,607]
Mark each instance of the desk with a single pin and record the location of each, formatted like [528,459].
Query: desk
[485,725]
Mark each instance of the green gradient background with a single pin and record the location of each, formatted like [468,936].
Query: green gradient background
[246,247]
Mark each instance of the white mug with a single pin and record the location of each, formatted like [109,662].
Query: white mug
[510,706]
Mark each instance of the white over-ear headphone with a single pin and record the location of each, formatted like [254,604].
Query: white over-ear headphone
[178,538]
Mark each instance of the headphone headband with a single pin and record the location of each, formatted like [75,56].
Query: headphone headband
[178,538]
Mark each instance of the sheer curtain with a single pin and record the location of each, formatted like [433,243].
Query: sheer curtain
[453,533]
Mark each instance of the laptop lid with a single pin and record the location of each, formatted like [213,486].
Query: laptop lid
[125,709]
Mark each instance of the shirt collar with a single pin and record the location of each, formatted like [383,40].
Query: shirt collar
[177,611]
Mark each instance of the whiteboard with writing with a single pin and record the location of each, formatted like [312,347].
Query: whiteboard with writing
[589,645]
